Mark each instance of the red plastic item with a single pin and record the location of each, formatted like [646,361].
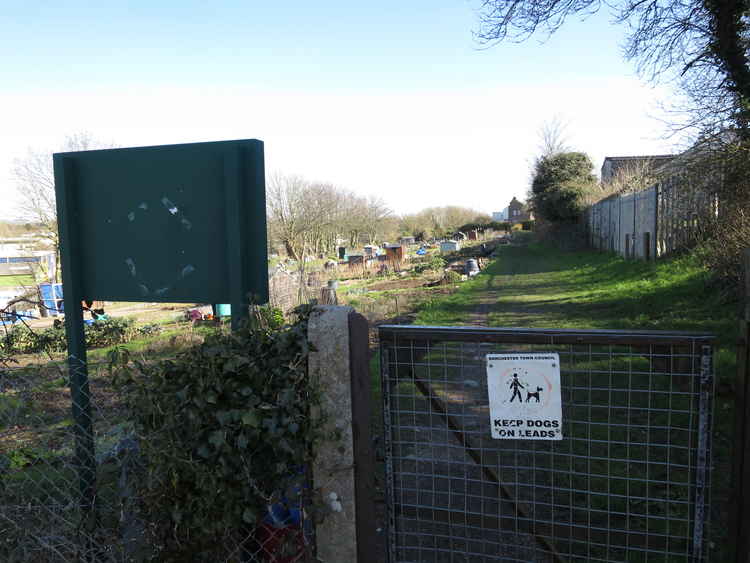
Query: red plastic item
[271,538]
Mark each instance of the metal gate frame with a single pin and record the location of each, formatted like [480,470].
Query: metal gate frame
[406,349]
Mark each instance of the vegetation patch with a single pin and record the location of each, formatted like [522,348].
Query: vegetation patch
[225,431]
[22,340]
[539,286]
[17,281]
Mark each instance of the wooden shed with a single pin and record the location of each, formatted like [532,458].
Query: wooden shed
[449,246]
[395,252]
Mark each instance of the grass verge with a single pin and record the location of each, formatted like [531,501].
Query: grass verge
[538,286]
[16,281]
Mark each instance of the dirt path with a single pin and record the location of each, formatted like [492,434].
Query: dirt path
[526,287]
[488,303]
[499,277]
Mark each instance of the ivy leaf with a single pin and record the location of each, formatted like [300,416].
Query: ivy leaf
[206,409]
[250,418]
[248,515]
[270,424]
[284,445]
[182,394]
[216,438]
[224,417]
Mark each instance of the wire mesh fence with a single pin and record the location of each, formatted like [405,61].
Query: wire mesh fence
[629,481]
[70,478]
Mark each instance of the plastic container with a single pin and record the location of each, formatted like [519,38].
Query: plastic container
[223,310]
[471,266]
[52,294]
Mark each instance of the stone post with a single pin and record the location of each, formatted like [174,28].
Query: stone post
[343,471]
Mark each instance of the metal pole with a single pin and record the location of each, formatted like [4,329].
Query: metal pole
[74,328]
[390,503]
[236,239]
[703,461]
[740,463]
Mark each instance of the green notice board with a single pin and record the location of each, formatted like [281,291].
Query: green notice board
[175,223]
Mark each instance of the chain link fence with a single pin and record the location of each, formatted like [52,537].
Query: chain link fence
[69,491]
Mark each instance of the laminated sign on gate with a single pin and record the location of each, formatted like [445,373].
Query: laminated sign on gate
[524,393]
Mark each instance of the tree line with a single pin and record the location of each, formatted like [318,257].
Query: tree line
[307,218]
[701,47]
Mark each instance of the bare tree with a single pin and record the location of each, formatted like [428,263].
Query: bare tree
[35,183]
[440,221]
[633,177]
[310,218]
[374,212]
[702,44]
[285,203]
[553,136]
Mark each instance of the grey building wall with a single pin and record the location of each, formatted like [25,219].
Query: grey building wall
[651,223]
[625,224]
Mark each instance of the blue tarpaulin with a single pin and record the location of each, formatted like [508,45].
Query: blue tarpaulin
[52,294]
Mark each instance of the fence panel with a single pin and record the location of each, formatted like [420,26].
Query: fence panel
[669,216]
[628,482]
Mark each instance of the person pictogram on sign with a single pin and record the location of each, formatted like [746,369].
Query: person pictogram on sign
[516,385]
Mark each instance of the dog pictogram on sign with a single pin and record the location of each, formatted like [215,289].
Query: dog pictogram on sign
[524,393]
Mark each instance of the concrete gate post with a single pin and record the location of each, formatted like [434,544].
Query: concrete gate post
[343,470]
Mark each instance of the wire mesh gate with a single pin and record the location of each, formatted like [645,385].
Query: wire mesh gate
[629,482]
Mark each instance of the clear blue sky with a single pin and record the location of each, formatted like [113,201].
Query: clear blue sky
[365,94]
[304,45]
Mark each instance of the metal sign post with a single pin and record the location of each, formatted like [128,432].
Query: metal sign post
[175,224]
[79,383]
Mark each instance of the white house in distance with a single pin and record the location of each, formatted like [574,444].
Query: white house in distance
[21,255]
[517,212]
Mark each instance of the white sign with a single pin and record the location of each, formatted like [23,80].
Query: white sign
[524,391]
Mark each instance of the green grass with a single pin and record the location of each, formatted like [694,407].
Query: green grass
[16,281]
[538,286]
[173,338]
[542,287]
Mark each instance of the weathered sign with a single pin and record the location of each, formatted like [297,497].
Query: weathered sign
[524,394]
[175,223]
